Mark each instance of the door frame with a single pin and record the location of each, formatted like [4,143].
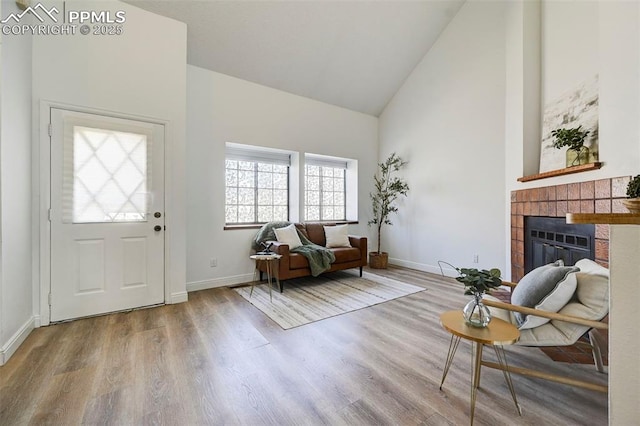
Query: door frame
[41,184]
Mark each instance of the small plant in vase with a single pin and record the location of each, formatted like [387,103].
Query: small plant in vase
[573,139]
[476,283]
[633,192]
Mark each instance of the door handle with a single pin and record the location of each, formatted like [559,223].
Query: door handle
[157,228]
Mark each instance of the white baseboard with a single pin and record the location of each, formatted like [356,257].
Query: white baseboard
[16,340]
[219,282]
[178,297]
[423,267]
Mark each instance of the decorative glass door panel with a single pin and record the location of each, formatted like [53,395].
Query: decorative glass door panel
[110,175]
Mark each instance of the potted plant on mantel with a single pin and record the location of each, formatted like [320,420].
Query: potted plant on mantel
[633,192]
[573,139]
[388,189]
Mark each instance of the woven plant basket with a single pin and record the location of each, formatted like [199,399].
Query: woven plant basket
[378,260]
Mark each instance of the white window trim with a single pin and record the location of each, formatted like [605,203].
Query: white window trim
[351,181]
[297,162]
[257,154]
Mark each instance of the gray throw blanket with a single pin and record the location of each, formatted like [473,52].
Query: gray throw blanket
[320,258]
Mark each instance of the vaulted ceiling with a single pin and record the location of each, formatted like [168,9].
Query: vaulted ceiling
[354,54]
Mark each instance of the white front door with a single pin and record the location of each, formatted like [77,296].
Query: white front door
[107,214]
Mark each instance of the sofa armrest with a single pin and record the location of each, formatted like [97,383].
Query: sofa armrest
[279,248]
[361,244]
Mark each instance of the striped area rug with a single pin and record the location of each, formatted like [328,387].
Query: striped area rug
[310,299]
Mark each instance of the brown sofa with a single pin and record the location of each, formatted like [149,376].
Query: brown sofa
[295,265]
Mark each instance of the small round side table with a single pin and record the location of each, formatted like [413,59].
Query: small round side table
[269,260]
[496,334]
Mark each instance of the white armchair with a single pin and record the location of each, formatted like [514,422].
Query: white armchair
[588,305]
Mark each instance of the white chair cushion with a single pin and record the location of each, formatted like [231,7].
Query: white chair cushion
[288,235]
[550,335]
[590,267]
[337,236]
[593,289]
[554,333]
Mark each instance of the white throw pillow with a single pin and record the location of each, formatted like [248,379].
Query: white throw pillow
[337,236]
[593,288]
[288,235]
[554,301]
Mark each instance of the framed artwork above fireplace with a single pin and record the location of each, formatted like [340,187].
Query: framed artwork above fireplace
[576,107]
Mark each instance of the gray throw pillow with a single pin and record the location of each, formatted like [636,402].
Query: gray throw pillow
[537,284]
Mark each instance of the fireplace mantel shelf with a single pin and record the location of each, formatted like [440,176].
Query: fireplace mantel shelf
[561,172]
[604,218]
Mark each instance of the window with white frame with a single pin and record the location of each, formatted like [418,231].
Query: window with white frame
[325,189]
[256,185]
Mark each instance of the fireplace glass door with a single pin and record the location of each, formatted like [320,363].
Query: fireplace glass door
[548,239]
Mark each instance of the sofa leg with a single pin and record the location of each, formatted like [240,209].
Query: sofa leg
[260,276]
[281,286]
[361,272]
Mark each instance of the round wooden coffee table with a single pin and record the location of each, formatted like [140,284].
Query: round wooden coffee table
[496,334]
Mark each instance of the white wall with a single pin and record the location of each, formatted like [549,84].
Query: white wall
[448,121]
[225,109]
[522,100]
[570,46]
[612,50]
[2,357]
[624,346]
[141,73]
[16,312]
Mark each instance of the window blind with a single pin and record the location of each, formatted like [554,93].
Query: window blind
[248,153]
[322,161]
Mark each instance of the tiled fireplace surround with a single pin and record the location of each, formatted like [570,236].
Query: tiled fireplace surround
[599,196]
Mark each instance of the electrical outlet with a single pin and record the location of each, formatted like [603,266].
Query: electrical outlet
[213,262]
[475,258]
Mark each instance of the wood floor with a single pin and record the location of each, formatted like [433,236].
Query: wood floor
[218,360]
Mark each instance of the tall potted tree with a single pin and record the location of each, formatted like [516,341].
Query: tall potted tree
[388,188]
